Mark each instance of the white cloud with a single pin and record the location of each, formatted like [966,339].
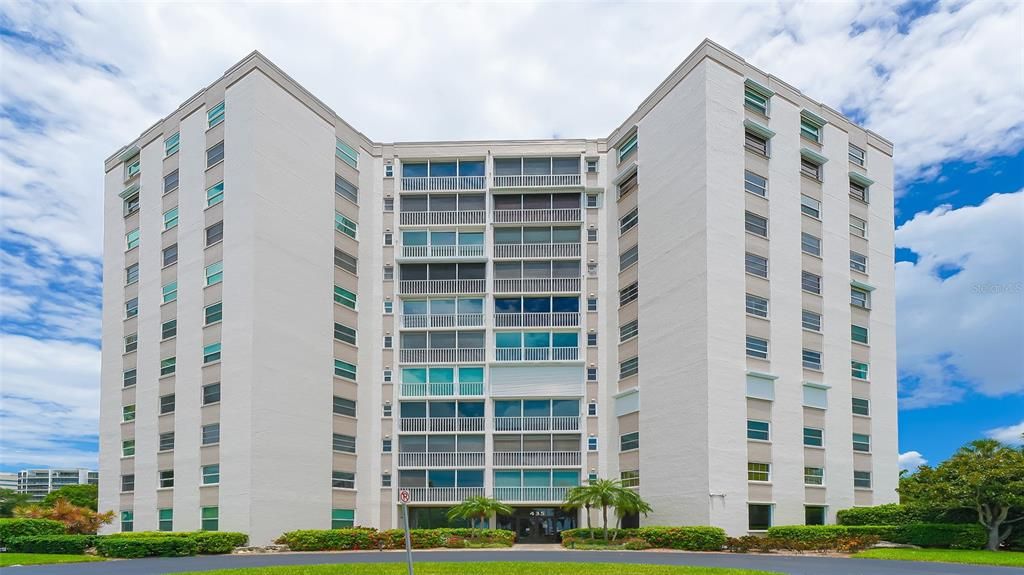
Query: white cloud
[911,460]
[1011,434]
[963,333]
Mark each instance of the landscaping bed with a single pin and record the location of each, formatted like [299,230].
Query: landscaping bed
[358,538]
[695,538]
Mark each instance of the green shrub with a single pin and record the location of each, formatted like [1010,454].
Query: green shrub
[1015,542]
[954,535]
[52,544]
[19,527]
[207,542]
[635,544]
[133,547]
[584,533]
[692,538]
[362,538]
[329,539]
[951,535]
[897,514]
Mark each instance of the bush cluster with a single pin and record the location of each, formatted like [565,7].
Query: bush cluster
[53,544]
[898,514]
[951,535]
[11,528]
[207,542]
[693,538]
[368,538]
[844,543]
[134,547]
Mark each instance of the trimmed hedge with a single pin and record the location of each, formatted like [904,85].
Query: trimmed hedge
[693,538]
[134,547]
[951,535]
[52,544]
[367,538]
[207,542]
[21,527]
[897,514]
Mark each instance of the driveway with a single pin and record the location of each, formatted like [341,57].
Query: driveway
[791,565]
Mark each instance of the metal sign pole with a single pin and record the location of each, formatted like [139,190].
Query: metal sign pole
[404,497]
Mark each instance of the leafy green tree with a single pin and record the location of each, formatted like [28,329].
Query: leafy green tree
[478,508]
[78,495]
[985,476]
[604,493]
[9,499]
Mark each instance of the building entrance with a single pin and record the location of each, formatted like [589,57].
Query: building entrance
[538,524]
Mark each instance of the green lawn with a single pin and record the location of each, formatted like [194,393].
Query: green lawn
[1001,558]
[508,568]
[9,559]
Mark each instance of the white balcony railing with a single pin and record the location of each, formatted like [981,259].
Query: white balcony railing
[441,423]
[468,251]
[453,218]
[443,320]
[530,493]
[441,355]
[441,389]
[556,215]
[536,458]
[443,183]
[441,459]
[552,319]
[537,285]
[537,181]
[443,494]
[537,423]
[536,354]
[537,250]
[415,287]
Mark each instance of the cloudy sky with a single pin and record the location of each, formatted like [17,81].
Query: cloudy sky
[943,80]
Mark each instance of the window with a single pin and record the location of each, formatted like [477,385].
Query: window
[128,448]
[215,115]
[168,329]
[389,204]
[810,169]
[132,167]
[344,406]
[128,378]
[343,480]
[757,347]
[861,406]
[132,239]
[165,519]
[131,308]
[131,342]
[389,273]
[591,443]
[342,518]
[385,446]
[387,375]
[346,153]
[592,304]
[629,221]
[813,437]
[347,298]
[344,369]
[810,206]
[814,515]
[756,265]
[810,244]
[389,238]
[628,294]
[346,443]
[131,204]
[170,254]
[166,441]
[591,165]
[629,367]
[629,330]
[211,434]
[592,409]
[860,298]
[347,190]
[759,472]
[591,374]
[166,404]
[213,313]
[592,235]
[862,479]
[859,369]
[630,478]
[170,292]
[211,474]
[756,143]
[858,262]
[810,282]
[810,130]
[127,413]
[814,476]
[387,409]
[345,225]
[214,273]
[593,201]
[128,482]
[859,334]
[167,366]
[627,148]
[810,320]
[858,227]
[629,257]
[346,261]
[171,218]
[127,517]
[591,339]
[858,192]
[811,359]
[861,442]
[629,441]
[171,182]
[389,170]
[758,430]
[389,306]
[755,100]
[385,480]
[857,155]
[755,184]
[215,154]
[172,143]
[210,518]
[215,194]
[166,478]
[131,274]
[344,333]
[211,353]
[211,393]
[757,305]
[756,224]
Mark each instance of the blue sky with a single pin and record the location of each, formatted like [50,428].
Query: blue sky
[943,80]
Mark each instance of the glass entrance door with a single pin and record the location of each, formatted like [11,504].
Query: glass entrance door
[538,524]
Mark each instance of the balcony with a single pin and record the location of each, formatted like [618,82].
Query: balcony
[441,459]
[538,215]
[537,354]
[442,320]
[443,218]
[441,251]
[442,355]
[537,285]
[529,494]
[550,319]
[443,183]
[446,424]
[441,389]
[442,494]
[536,458]
[537,181]
[520,251]
[537,423]
[443,287]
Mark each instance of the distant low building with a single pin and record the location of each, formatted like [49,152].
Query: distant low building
[9,481]
[40,482]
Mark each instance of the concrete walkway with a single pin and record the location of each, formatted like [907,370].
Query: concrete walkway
[789,565]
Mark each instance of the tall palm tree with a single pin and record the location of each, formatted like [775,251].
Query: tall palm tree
[629,502]
[478,508]
[597,493]
[578,498]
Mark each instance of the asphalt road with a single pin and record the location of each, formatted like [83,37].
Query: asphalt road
[790,565]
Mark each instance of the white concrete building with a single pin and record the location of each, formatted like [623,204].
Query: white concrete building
[299,320]
[9,480]
[40,482]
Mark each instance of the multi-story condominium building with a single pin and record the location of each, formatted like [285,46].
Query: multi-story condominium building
[300,321]
[40,482]
[9,481]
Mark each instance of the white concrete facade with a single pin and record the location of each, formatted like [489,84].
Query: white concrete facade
[40,482]
[292,450]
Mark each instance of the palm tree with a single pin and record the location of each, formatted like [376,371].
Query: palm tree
[478,508]
[629,502]
[578,498]
[601,493]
